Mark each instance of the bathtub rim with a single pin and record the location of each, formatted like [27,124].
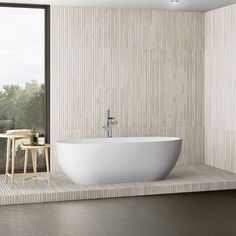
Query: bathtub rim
[120,140]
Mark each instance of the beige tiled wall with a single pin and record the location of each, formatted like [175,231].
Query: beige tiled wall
[147,66]
[220,88]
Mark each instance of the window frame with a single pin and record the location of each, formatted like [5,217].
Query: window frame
[46,62]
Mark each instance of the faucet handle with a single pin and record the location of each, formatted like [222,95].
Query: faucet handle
[115,122]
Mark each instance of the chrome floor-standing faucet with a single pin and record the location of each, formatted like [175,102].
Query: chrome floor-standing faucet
[110,123]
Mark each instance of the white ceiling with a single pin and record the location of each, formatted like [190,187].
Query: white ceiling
[184,5]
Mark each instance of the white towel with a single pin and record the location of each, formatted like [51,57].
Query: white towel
[18,131]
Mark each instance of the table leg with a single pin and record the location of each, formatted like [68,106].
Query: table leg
[47,165]
[25,165]
[13,163]
[34,161]
[8,158]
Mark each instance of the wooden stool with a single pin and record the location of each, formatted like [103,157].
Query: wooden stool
[11,145]
[34,151]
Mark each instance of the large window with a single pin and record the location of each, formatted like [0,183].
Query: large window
[23,74]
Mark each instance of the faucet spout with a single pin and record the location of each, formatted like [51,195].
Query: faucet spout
[105,127]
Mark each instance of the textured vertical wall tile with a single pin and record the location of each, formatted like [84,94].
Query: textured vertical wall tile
[147,66]
[220,88]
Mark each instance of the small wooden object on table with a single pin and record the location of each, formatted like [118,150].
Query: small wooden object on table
[34,153]
[11,144]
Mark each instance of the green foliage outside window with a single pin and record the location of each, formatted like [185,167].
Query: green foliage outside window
[21,108]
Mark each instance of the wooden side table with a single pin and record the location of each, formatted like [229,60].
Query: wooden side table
[34,153]
[11,145]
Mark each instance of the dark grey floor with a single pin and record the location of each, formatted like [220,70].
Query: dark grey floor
[211,214]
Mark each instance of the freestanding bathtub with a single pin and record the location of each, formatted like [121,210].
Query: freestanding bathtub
[118,160]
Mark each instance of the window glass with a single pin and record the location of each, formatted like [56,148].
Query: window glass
[22,79]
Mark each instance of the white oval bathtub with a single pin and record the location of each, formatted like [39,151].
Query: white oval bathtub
[118,160]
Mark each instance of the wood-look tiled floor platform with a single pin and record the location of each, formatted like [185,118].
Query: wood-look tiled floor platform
[190,178]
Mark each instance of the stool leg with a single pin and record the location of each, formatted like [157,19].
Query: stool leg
[13,163]
[36,158]
[8,159]
[25,166]
[47,165]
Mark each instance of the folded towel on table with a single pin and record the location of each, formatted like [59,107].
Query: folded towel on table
[19,131]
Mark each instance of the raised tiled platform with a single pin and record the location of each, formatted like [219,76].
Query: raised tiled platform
[192,178]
